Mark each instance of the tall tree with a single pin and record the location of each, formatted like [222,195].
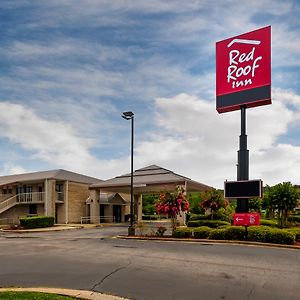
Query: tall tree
[281,199]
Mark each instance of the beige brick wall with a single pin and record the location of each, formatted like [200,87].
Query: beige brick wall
[78,193]
[20,211]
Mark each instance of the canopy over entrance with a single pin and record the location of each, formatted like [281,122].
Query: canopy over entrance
[151,179]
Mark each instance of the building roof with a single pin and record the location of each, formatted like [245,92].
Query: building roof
[59,174]
[148,180]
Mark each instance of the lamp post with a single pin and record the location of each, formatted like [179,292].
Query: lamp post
[129,115]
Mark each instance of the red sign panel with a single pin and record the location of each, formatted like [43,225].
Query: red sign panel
[243,70]
[246,219]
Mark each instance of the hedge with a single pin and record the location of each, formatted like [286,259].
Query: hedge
[235,233]
[270,223]
[217,234]
[228,233]
[182,232]
[37,222]
[264,234]
[208,223]
[296,232]
[267,234]
[202,232]
[196,217]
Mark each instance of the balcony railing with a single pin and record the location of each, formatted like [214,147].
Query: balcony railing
[34,197]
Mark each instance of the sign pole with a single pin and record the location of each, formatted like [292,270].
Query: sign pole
[243,162]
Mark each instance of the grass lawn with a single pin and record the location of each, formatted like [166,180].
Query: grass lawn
[32,295]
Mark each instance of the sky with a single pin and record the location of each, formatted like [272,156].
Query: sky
[69,68]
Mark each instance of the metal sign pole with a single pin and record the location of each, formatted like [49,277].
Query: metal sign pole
[243,162]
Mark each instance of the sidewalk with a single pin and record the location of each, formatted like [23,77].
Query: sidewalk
[89,295]
[59,227]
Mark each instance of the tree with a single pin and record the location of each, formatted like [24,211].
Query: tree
[172,205]
[255,204]
[282,198]
[149,204]
[213,200]
[195,199]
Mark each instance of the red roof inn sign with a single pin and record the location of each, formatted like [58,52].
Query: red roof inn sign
[243,70]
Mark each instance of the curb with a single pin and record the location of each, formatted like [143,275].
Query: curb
[80,294]
[46,229]
[171,239]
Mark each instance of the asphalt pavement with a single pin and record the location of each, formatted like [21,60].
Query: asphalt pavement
[94,260]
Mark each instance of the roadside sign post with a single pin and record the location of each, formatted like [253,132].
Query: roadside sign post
[243,162]
[243,80]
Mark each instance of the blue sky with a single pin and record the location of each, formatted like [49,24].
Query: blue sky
[70,68]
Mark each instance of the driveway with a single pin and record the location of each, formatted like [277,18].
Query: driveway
[92,259]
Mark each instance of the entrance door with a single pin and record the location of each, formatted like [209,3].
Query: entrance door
[117,213]
[102,214]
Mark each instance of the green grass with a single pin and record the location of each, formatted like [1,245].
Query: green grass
[9,295]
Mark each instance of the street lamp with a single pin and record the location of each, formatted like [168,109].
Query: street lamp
[129,115]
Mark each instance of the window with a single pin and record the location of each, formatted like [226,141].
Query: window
[32,209]
[59,187]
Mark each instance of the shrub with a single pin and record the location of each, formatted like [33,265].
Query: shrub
[196,217]
[280,236]
[202,232]
[270,223]
[217,234]
[209,223]
[266,234]
[294,219]
[37,222]
[257,233]
[296,232]
[182,232]
[235,233]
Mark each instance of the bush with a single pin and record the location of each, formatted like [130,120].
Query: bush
[257,233]
[196,217]
[202,232]
[217,234]
[270,223]
[266,234]
[182,232]
[209,223]
[296,232]
[294,219]
[37,222]
[235,233]
[228,233]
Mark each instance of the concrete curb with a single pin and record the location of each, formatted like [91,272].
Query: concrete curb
[171,239]
[80,294]
[62,227]
[46,229]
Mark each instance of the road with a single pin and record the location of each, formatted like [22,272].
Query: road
[91,259]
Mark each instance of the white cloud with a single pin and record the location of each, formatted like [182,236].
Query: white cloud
[194,140]
[54,142]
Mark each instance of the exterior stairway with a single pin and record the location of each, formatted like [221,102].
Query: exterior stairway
[23,198]
[8,203]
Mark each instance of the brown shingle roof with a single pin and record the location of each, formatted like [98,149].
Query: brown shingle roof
[59,174]
[149,176]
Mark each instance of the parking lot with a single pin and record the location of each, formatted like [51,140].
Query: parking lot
[94,259]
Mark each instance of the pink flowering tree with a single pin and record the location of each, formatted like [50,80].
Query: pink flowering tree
[172,205]
[213,201]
